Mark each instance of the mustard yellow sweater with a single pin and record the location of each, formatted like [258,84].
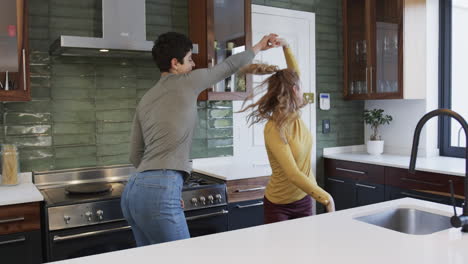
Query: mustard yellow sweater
[292,178]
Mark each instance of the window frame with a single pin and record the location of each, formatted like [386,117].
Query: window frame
[445,80]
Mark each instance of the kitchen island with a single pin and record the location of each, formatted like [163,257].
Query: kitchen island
[327,238]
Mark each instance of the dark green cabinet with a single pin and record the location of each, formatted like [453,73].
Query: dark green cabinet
[355,184]
[21,248]
[343,192]
[245,214]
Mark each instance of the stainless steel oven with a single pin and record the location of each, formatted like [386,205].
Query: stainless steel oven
[82,214]
[90,240]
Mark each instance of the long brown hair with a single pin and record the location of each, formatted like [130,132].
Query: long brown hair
[280,102]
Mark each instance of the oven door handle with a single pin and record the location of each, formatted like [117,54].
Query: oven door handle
[196,217]
[88,234]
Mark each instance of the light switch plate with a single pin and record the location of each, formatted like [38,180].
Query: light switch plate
[326,126]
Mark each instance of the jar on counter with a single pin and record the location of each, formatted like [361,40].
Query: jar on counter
[10,164]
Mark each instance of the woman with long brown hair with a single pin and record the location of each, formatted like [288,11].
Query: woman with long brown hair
[288,143]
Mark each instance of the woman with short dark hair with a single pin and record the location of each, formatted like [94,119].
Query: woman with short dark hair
[161,137]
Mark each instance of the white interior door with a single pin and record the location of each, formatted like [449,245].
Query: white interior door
[298,28]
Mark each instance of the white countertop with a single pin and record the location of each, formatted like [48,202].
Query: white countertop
[25,192]
[228,168]
[437,164]
[334,238]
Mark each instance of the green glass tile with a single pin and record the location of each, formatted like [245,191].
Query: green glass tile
[115,93]
[12,118]
[29,141]
[219,133]
[36,153]
[67,23]
[39,70]
[37,164]
[79,139]
[63,82]
[39,34]
[114,149]
[75,151]
[75,162]
[108,71]
[219,104]
[200,133]
[219,143]
[72,128]
[159,20]
[220,123]
[199,148]
[115,115]
[77,70]
[146,84]
[112,104]
[75,117]
[72,93]
[40,92]
[39,57]
[116,82]
[70,11]
[73,105]
[113,138]
[277,3]
[35,106]
[27,130]
[39,8]
[113,160]
[38,21]
[106,127]
[39,81]
[217,113]
[76,4]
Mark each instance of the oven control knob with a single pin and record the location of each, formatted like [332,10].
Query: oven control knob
[100,214]
[67,219]
[195,201]
[210,199]
[202,200]
[88,215]
[218,198]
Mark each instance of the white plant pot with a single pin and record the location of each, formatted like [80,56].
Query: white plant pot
[375,147]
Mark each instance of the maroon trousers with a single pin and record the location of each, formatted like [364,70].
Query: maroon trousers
[280,212]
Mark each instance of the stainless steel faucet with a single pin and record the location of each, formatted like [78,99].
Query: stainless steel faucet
[456,221]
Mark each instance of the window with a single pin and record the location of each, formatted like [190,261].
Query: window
[453,62]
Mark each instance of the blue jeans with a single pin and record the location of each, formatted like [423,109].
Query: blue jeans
[151,205]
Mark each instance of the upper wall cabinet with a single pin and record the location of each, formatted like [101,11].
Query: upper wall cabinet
[219,29]
[373,49]
[14,57]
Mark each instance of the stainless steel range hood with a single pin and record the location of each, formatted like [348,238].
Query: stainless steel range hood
[123,30]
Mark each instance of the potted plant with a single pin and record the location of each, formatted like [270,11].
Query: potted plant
[375,118]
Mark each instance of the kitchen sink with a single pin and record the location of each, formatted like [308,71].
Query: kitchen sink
[408,220]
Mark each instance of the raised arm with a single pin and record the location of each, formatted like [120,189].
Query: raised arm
[289,56]
[203,78]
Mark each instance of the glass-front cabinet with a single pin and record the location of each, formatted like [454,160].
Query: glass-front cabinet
[219,29]
[373,54]
[14,61]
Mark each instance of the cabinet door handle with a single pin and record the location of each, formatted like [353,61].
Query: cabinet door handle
[423,182]
[335,180]
[250,190]
[196,217]
[20,239]
[422,197]
[365,186]
[92,233]
[24,70]
[17,219]
[249,205]
[352,171]
[371,79]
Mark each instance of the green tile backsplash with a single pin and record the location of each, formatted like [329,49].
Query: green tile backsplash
[82,107]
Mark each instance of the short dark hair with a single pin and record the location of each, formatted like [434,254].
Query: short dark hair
[168,46]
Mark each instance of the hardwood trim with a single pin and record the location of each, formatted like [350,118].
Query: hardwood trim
[197,33]
[422,180]
[235,189]
[12,215]
[360,172]
[441,193]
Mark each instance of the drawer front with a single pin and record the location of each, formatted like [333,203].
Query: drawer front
[24,248]
[19,218]
[423,181]
[355,171]
[245,214]
[246,189]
